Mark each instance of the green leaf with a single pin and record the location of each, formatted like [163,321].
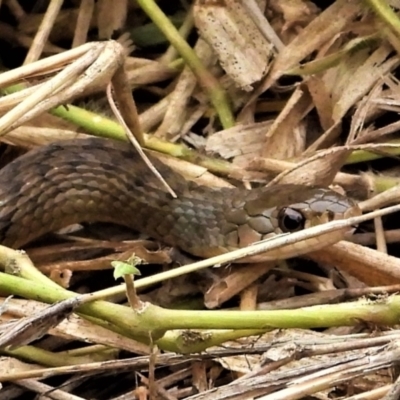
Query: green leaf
[128,267]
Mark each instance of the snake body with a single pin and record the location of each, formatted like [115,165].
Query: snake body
[98,180]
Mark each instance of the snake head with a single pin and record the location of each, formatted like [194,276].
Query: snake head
[267,212]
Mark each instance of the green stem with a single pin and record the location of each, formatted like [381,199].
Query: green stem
[215,91]
[105,127]
[153,321]
[386,14]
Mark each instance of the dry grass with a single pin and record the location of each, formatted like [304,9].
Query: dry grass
[252,91]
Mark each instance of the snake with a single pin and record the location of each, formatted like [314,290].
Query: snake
[101,180]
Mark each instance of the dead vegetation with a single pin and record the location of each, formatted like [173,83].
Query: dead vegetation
[238,93]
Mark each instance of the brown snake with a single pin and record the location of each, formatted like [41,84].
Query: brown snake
[98,180]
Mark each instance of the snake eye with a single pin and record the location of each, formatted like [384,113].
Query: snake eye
[290,220]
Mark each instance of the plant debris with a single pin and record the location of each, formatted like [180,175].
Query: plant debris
[229,93]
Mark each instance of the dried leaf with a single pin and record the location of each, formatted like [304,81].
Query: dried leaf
[242,50]
[111,17]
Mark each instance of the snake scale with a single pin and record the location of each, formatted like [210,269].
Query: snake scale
[99,180]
